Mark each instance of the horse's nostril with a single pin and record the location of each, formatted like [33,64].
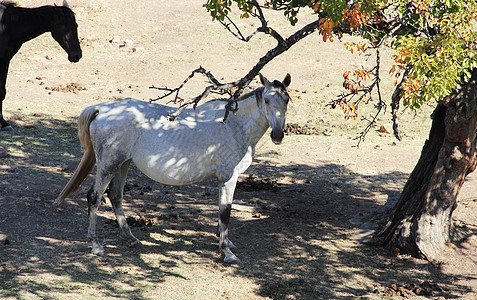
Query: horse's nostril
[75,57]
[277,136]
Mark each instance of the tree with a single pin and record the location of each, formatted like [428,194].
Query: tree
[435,61]
[420,223]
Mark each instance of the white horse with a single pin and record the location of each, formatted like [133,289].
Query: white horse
[196,146]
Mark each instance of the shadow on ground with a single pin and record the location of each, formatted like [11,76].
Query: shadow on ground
[294,227]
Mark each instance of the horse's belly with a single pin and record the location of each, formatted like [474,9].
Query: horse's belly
[175,177]
[175,171]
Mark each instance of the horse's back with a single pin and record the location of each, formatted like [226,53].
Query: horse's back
[126,111]
[172,152]
[155,115]
[123,121]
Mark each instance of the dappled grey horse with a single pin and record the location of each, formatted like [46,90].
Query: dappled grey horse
[196,146]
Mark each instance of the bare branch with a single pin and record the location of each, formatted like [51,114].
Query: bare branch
[346,102]
[193,102]
[215,86]
[395,100]
[240,85]
[264,28]
[235,30]
[380,105]
[176,90]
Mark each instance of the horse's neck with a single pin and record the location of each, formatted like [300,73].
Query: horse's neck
[252,119]
[27,23]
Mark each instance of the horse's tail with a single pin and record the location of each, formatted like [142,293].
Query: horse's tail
[87,161]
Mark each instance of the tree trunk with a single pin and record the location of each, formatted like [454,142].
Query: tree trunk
[421,221]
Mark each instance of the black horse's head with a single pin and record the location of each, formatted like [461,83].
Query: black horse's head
[65,31]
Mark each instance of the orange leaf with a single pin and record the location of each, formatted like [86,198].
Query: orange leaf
[346,74]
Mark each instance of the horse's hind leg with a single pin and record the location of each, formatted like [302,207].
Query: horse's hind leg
[115,194]
[95,194]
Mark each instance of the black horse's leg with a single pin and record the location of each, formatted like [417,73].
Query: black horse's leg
[4,124]
[3,80]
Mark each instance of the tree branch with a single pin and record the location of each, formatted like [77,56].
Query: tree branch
[380,105]
[215,86]
[240,85]
[264,28]
[395,100]
[345,100]
[236,32]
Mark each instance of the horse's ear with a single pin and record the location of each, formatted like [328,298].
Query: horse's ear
[286,82]
[65,4]
[263,80]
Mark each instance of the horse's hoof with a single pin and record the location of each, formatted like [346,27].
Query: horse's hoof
[232,246]
[97,249]
[7,128]
[135,244]
[230,258]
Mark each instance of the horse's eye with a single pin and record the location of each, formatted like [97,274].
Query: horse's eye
[267,100]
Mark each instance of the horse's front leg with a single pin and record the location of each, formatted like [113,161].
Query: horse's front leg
[4,126]
[226,193]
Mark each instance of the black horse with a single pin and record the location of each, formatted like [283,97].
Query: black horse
[19,24]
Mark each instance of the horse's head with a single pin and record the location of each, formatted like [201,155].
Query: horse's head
[65,31]
[275,101]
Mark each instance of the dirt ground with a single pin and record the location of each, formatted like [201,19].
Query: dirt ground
[300,210]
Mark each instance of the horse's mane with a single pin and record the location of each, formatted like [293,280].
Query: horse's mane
[252,93]
[33,14]
[3,6]
[278,84]
[8,3]
[257,93]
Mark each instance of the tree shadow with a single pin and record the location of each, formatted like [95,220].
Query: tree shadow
[36,240]
[313,254]
[296,239]
[294,233]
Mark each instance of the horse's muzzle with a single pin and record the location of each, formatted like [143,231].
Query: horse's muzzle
[277,136]
[75,56]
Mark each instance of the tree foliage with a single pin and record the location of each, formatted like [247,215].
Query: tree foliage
[435,41]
